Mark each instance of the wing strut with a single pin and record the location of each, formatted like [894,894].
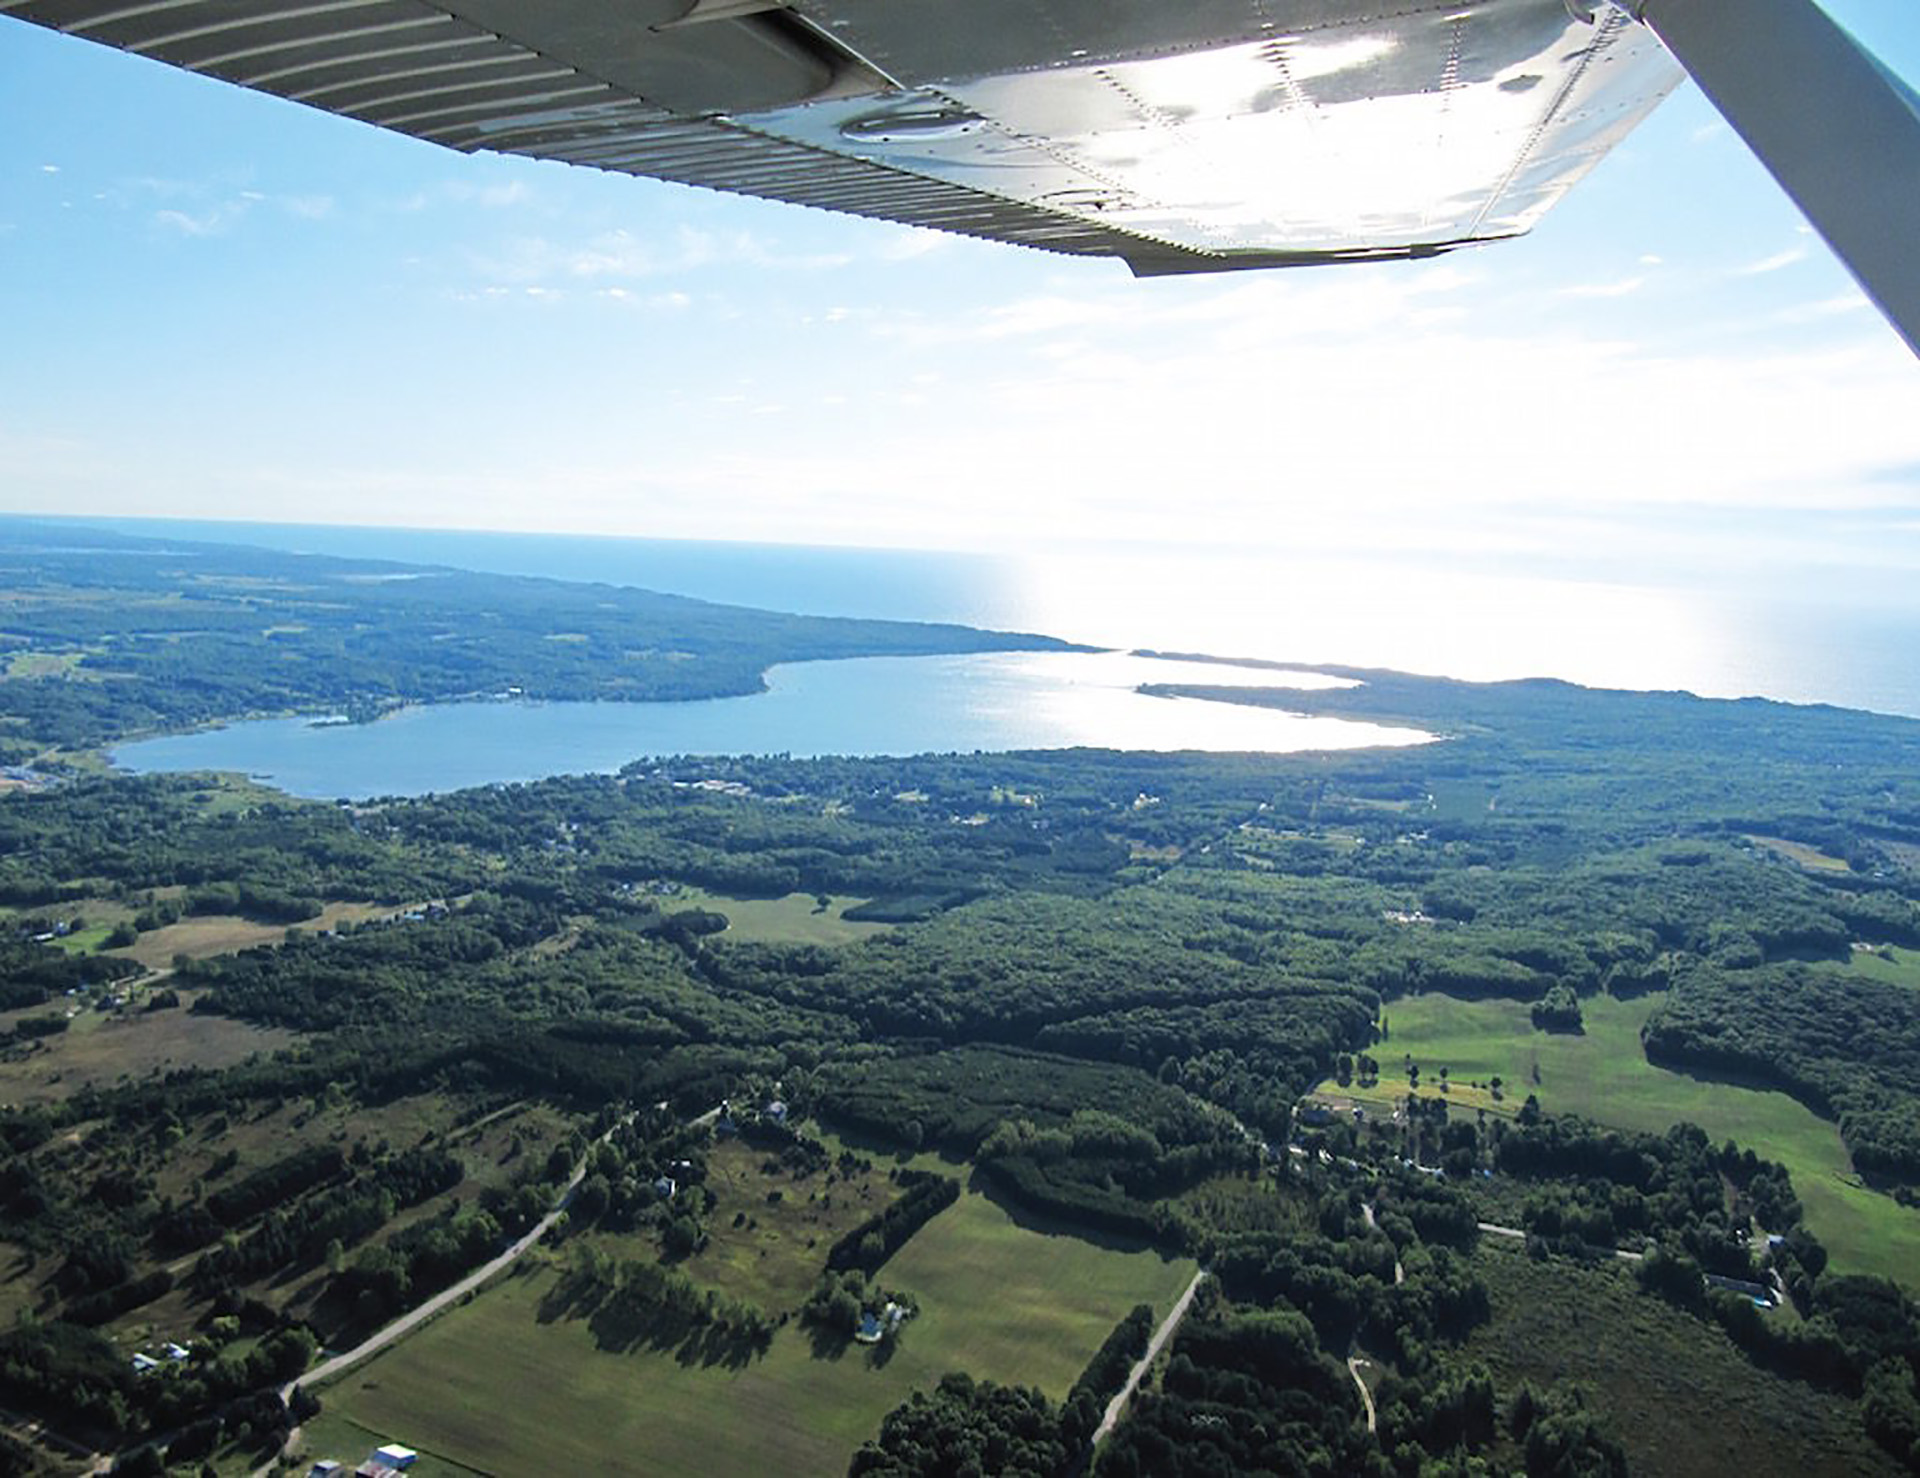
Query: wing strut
[1837,129]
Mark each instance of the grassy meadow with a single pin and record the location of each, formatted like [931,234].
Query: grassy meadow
[774,1255]
[496,1386]
[1811,858]
[1604,1075]
[100,1048]
[794,919]
[205,935]
[344,1440]
[1899,965]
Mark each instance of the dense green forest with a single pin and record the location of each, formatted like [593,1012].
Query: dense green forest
[272,1072]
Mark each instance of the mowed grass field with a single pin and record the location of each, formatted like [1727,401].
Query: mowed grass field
[346,1441]
[1605,1075]
[490,1386]
[1022,1296]
[794,919]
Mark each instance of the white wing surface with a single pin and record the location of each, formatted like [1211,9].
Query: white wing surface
[1180,137]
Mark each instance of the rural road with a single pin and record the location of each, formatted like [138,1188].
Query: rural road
[1354,1362]
[1494,1230]
[1117,1407]
[411,1320]
[1399,1273]
[414,1318]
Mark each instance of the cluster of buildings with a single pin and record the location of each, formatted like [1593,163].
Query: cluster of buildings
[658,887]
[876,1327]
[386,1461]
[718,787]
[1760,1293]
[666,1187]
[170,1354]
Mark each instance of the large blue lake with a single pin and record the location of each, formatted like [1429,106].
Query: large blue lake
[868,706]
[1846,641]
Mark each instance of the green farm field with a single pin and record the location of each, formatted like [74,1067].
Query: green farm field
[490,1385]
[1604,1075]
[346,1441]
[88,940]
[1901,966]
[794,919]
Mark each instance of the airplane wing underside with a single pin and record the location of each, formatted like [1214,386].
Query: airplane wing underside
[1180,137]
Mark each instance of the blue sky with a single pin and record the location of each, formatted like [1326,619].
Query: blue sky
[214,304]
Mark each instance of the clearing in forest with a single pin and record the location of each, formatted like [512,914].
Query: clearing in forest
[1603,1074]
[1901,966]
[1811,858]
[493,1385]
[797,918]
[99,1047]
[205,935]
[769,1230]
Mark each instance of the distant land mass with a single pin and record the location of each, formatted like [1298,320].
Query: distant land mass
[130,635]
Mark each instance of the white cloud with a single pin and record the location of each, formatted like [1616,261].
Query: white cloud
[1617,288]
[308,207]
[489,197]
[1043,316]
[213,221]
[1773,263]
[911,243]
[623,254]
[1823,308]
[617,254]
[49,169]
[496,196]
